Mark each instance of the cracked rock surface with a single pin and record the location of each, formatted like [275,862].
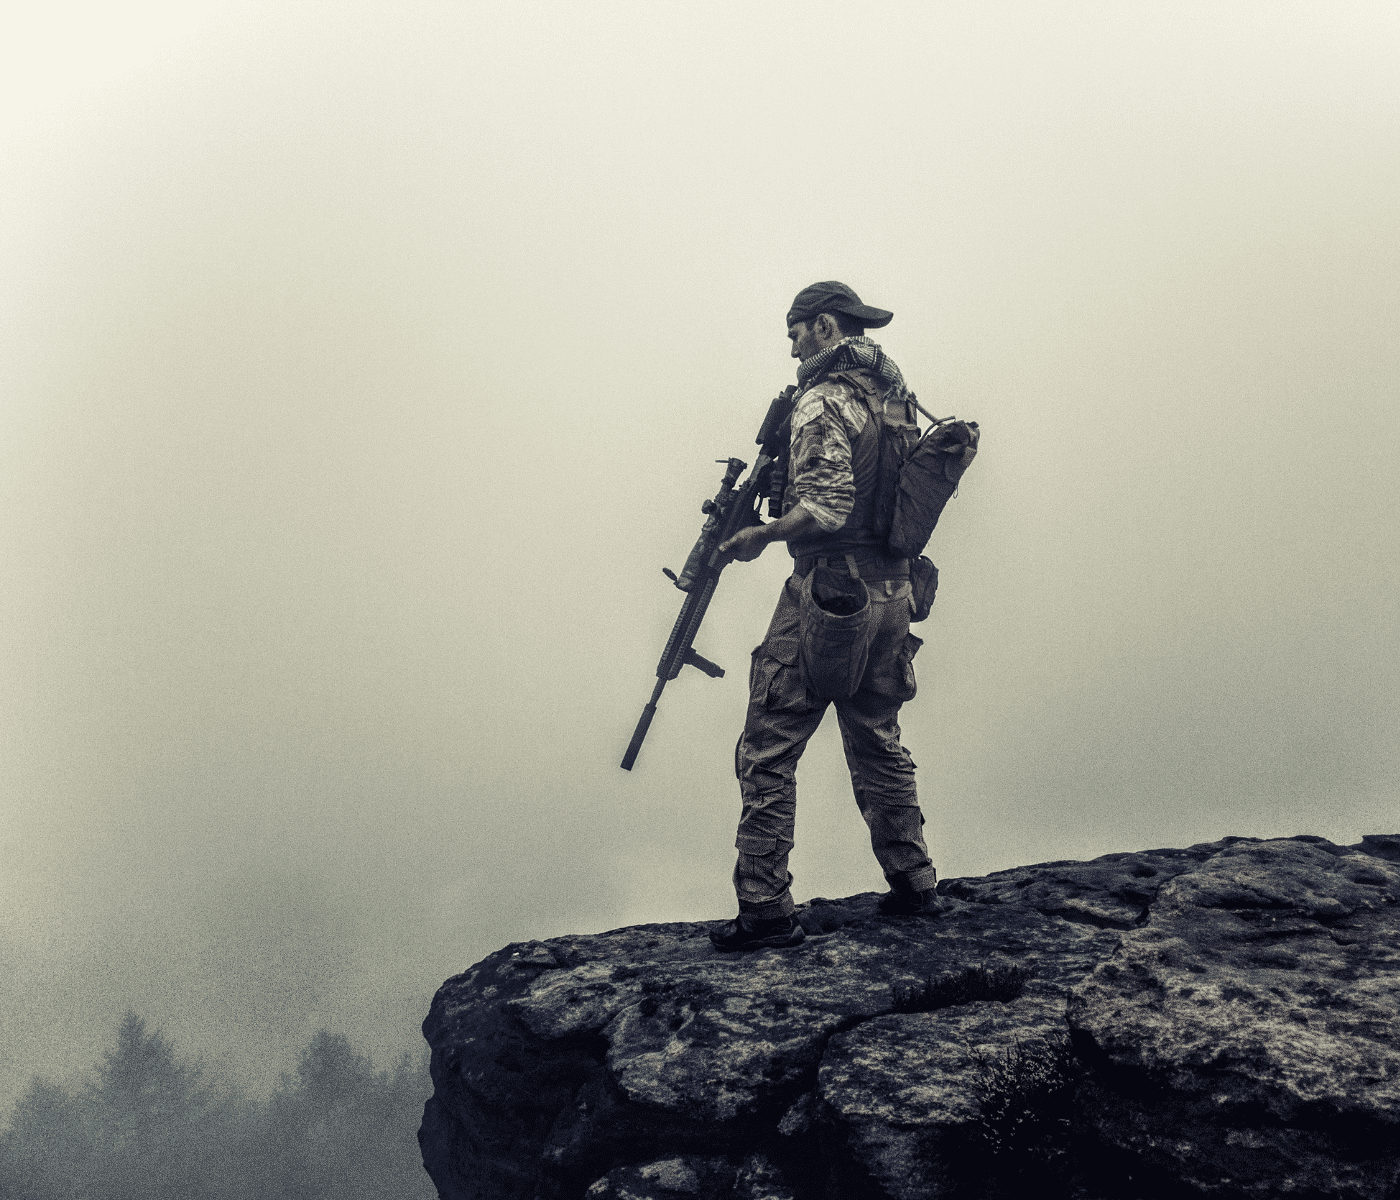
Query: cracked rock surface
[1231,1008]
[1248,1035]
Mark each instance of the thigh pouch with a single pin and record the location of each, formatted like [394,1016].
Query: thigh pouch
[837,625]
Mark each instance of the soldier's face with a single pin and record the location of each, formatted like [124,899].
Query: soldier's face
[803,339]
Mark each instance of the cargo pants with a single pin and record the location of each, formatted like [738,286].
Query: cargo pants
[783,715]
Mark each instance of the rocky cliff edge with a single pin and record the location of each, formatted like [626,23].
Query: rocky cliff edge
[1221,1020]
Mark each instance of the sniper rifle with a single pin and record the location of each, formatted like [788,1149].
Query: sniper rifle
[732,509]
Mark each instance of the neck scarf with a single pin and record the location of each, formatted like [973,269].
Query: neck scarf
[849,354]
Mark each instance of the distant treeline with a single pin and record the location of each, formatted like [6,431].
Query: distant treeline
[148,1125]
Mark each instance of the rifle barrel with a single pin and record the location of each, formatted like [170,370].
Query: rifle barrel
[639,734]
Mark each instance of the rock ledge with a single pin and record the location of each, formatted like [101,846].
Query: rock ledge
[1221,1020]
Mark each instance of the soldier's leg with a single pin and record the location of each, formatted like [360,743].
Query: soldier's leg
[882,772]
[782,716]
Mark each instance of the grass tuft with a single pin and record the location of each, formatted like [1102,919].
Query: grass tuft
[973,983]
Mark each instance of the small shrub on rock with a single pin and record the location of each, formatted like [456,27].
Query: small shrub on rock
[1026,1096]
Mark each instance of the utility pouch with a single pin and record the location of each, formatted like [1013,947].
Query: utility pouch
[923,578]
[927,481]
[836,623]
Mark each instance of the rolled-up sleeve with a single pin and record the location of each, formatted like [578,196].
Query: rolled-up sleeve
[821,461]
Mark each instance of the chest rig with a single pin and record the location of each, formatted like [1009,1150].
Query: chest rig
[878,453]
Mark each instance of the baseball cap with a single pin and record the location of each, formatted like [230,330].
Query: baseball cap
[836,297]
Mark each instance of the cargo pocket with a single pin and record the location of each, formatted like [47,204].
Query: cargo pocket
[784,649]
[897,680]
[777,679]
[904,664]
[756,871]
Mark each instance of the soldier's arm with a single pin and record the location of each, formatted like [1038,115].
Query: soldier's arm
[748,544]
[821,444]
[822,480]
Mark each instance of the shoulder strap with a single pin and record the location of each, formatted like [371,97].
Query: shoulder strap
[862,388]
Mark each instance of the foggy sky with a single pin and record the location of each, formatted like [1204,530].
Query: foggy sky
[363,363]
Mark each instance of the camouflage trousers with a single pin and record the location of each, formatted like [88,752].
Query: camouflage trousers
[783,715]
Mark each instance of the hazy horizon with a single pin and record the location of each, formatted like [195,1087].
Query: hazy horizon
[365,363]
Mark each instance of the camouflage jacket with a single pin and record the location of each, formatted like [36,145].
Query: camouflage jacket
[826,419]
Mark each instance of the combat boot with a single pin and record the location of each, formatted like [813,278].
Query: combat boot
[904,902]
[757,933]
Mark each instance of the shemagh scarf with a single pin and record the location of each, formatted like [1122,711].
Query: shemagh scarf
[847,355]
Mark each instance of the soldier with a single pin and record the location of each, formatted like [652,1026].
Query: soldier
[835,478]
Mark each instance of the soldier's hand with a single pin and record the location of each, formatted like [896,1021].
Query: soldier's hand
[746,545]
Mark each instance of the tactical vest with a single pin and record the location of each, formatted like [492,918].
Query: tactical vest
[877,453]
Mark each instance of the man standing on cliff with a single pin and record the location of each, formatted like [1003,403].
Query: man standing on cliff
[834,490]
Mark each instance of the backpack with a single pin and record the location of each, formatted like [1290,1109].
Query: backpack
[918,475]
[928,477]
